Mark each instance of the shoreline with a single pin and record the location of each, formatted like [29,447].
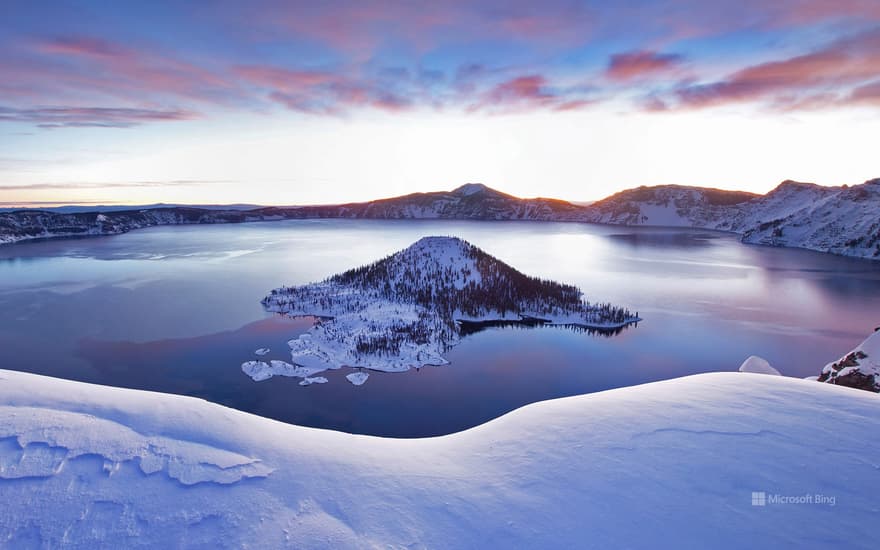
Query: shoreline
[740,236]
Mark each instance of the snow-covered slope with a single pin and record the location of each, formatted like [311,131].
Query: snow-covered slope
[667,205]
[472,201]
[23,225]
[671,464]
[859,368]
[402,311]
[840,220]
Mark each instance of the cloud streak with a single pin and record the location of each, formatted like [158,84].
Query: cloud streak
[639,64]
[91,117]
[111,185]
[822,78]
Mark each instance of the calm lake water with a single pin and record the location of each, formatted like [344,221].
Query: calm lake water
[177,309]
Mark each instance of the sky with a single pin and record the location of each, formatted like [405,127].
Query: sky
[301,102]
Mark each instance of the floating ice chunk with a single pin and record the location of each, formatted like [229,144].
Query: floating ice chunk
[258,370]
[358,378]
[758,365]
[310,381]
[261,370]
[262,351]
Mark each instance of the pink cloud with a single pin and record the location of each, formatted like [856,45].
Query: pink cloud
[80,45]
[528,92]
[868,94]
[284,79]
[316,91]
[530,89]
[806,81]
[360,27]
[637,64]
[667,21]
[104,117]
[96,66]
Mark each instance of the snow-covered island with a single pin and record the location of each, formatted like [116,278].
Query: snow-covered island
[405,310]
[725,460]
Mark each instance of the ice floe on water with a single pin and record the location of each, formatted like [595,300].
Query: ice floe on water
[261,370]
[314,380]
[262,351]
[358,378]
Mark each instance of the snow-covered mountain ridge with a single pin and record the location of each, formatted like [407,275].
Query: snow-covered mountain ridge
[88,466]
[403,311]
[23,225]
[841,220]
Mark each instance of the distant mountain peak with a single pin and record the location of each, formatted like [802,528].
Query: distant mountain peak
[796,184]
[471,189]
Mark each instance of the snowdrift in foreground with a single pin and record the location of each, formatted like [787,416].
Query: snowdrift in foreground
[671,463]
[758,365]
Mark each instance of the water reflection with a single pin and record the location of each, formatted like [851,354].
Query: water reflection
[177,309]
[467,328]
[664,239]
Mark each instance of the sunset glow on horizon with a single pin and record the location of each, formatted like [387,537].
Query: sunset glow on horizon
[275,102]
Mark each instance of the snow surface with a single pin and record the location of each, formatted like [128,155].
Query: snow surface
[758,365]
[669,464]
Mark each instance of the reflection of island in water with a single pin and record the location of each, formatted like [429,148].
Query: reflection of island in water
[467,328]
[409,308]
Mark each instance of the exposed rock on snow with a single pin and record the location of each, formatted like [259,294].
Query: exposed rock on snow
[758,365]
[859,368]
[683,456]
[358,378]
[401,312]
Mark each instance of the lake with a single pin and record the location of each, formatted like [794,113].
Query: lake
[177,309]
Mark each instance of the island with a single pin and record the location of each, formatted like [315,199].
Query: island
[407,310]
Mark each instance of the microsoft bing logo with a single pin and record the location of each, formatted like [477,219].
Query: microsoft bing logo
[760,498]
